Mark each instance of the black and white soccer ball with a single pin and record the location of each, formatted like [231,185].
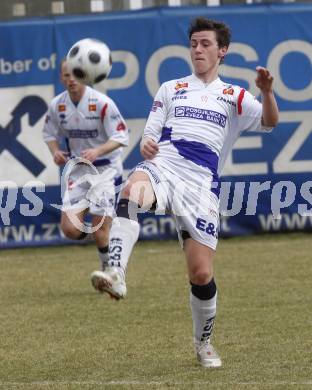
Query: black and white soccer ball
[89,60]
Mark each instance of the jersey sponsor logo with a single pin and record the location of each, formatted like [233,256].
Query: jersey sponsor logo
[156,104]
[207,227]
[204,98]
[226,101]
[92,107]
[143,167]
[180,85]
[115,117]
[180,94]
[77,133]
[61,107]
[121,126]
[92,117]
[62,117]
[201,114]
[228,91]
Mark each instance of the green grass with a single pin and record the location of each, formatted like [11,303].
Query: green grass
[57,333]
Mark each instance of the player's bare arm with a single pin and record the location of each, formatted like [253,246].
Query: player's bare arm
[60,157]
[264,82]
[92,154]
[148,148]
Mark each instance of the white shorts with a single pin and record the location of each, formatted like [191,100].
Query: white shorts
[84,187]
[191,203]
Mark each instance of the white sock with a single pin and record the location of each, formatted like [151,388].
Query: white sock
[203,313]
[123,235]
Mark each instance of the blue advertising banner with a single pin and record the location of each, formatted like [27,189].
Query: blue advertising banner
[267,178]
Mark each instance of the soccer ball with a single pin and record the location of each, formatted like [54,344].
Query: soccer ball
[89,60]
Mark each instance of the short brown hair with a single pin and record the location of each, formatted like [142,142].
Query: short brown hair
[223,33]
[63,60]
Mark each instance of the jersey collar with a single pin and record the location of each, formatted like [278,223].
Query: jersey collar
[213,83]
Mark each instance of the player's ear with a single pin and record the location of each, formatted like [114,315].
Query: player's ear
[222,51]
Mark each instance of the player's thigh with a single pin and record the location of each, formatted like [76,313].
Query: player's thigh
[199,261]
[102,223]
[72,220]
[139,189]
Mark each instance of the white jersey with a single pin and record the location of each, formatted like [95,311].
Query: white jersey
[95,120]
[196,125]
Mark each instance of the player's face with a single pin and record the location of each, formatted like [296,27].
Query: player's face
[70,83]
[205,52]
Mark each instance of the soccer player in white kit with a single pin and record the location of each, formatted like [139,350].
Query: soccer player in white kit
[192,126]
[94,133]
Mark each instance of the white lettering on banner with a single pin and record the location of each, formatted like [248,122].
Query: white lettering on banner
[274,62]
[224,226]
[162,225]
[18,66]
[283,189]
[20,108]
[284,162]
[288,221]
[283,195]
[26,233]
[275,58]
[255,189]
[47,63]
[237,201]
[305,192]
[51,231]
[35,201]
[8,67]
[7,200]
[132,68]
[236,72]
[243,143]
[157,58]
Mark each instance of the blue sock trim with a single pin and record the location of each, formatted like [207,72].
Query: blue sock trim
[103,249]
[125,209]
[205,292]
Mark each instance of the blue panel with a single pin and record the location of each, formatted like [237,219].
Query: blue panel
[278,36]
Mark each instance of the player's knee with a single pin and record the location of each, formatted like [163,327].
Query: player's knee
[126,191]
[201,276]
[102,232]
[139,192]
[71,232]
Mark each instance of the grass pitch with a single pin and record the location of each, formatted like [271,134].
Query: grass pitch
[57,333]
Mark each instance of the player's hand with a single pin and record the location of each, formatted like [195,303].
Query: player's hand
[149,148]
[264,79]
[90,154]
[60,157]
